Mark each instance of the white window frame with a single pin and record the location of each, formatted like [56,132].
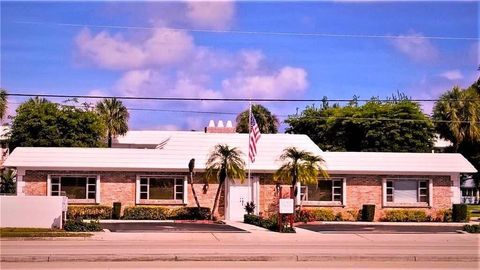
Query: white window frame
[303,192]
[139,184]
[87,184]
[429,188]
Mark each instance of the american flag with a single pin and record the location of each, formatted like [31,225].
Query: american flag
[254,137]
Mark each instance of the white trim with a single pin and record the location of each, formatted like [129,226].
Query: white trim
[384,192]
[137,190]
[49,185]
[20,183]
[332,201]
[430,192]
[97,190]
[344,191]
[185,190]
[256,194]
[386,204]
[455,188]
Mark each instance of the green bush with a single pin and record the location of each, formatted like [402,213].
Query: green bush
[146,212]
[117,209]
[323,214]
[77,225]
[460,213]
[190,213]
[444,215]
[474,228]
[368,212]
[304,216]
[89,212]
[271,223]
[403,215]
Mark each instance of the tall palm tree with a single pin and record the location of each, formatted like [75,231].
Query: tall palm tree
[300,166]
[224,162]
[3,102]
[7,181]
[459,113]
[267,122]
[115,117]
[191,167]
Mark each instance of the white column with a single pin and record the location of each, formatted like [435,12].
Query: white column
[137,190]
[97,190]
[297,198]
[49,185]
[344,191]
[256,194]
[384,192]
[20,183]
[185,190]
[430,192]
[455,188]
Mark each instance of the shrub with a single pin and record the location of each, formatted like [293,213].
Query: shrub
[89,212]
[77,225]
[117,208]
[190,213]
[146,212]
[346,216]
[323,214]
[460,213]
[304,216]
[271,223]
[368,212]
[250,208]
[474,228]
[402,215]
[444,215]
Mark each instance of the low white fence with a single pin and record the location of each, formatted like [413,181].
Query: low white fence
[31,211]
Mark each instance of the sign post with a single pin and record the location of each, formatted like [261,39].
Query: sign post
[285,207]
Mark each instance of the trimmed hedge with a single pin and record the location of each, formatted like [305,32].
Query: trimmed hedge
[368,212]
[444,215]
[460,213]
[89,212]
[162,213]
[323,214]
[472,228]
[270,223]
[402,215]
[77,225]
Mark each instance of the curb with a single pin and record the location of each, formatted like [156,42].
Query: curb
[238,257]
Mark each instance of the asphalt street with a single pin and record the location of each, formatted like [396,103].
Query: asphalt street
[379,229]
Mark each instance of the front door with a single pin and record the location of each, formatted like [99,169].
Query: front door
[238,197]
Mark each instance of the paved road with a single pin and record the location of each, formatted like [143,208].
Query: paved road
[169,227]
[379,229]
[241,265]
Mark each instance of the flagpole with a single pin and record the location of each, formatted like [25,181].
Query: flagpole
[249,162]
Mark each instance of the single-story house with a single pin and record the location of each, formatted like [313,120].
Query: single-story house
[151,168]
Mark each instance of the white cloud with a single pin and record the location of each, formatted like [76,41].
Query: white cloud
[164,47]
[214,15]
[416,46]
[452,75]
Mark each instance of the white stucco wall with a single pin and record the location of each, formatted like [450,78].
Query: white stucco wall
[31,211]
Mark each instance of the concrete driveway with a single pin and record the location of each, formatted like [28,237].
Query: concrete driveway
[380,229]
[173,227]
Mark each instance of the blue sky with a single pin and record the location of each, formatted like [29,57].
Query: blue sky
[162,56]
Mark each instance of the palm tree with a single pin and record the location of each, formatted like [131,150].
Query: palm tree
[115,117]
[3,103]
[267,122]
[224,162]
[191,167]
[459,113]
[7,183]
[300,166]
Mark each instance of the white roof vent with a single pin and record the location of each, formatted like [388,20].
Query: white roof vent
[220,124]
[211,123]
[229,124]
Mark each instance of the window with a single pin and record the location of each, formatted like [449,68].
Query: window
[327,190]
[74,187]
[407,191]
[161,188]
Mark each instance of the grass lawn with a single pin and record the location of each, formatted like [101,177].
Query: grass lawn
[474,210]
[37,232]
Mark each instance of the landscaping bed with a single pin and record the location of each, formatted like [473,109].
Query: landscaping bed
[270,223]
[38,232]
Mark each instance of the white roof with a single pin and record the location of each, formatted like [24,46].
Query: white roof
[181,146]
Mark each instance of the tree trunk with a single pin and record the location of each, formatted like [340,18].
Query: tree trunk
[193,191]
[217,196]
[109,140]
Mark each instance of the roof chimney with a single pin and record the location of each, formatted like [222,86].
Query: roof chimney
[220,128]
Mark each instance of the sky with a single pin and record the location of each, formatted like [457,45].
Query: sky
[243,49]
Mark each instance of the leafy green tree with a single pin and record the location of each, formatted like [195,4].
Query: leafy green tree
[396,125]
[300,166]
[7,182]
[115,117]
[3,103]
[266,121]
[224,162]
[39,122]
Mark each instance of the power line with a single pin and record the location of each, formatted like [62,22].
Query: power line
[220,99]
[242,32]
